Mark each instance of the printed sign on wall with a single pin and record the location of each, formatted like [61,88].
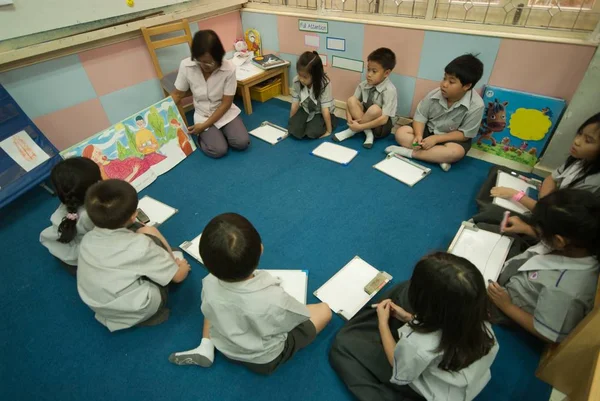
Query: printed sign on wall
[313,26]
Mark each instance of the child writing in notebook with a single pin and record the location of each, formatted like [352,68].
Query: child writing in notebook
[581,171]
[312,114]
[375,100]
[71,179]
[428,339]
[549,288]
[247,315]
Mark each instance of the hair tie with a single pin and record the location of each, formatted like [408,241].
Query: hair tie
[72,216]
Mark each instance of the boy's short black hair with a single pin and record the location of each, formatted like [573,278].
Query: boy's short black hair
[384,57]
[207,41]
[467,68]
[111,203]
[230,247]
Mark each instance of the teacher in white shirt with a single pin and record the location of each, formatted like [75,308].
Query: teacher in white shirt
[212,81]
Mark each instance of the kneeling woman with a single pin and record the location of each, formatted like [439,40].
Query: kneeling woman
[212,82]
[428,339]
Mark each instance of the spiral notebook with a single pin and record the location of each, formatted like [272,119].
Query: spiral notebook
[486,250]
[513,181]
[402,169]
[156,211]
[270,133]
[335,153]
[345,292]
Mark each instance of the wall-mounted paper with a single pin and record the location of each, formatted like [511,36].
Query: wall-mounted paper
[323,59]
[338,44]
[313,26]
[312,41]
[24,151]
[347,64]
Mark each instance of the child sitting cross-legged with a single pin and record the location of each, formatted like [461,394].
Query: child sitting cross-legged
[247,315]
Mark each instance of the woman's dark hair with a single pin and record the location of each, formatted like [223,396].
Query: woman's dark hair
[311,63]
[448,293]
[589,167]
[571,213]
[111,203]
[71,179]
[208,41]
[230,247]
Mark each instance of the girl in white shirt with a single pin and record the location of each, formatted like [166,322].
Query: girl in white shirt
[428,340]
[71,179]
[212,81]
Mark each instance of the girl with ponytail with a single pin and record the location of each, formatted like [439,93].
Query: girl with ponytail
[71,179]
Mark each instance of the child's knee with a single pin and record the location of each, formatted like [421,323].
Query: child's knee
[405,130]
[374,111]
[215,151]
[455,152]
[353,100]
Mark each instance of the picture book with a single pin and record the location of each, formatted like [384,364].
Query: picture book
[269,61]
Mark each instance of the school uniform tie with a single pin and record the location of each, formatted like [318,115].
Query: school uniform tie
[372,92]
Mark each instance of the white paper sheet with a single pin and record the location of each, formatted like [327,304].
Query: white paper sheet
[404,171]
[347,64]
[24,151]
[157,212]
[335,153]
[336,44]
[294,282]
[311,40]
[323,59]
[269,134]
[246,71]
[193,248]
[486,250]
[510,181]
[345,292]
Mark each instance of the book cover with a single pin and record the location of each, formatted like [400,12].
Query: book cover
[268,61]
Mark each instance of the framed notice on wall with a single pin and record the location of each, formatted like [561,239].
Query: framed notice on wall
[313,26]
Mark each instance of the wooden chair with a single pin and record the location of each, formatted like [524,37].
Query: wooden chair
[167,81]
[573,366]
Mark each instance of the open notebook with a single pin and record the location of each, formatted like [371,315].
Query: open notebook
[486,250]
[345,291]
[512,181]
[270,132]
[156,211]
[335,153]
[294,282]
[402,169]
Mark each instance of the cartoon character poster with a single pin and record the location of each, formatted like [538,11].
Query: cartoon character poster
[516,126]
[139,148]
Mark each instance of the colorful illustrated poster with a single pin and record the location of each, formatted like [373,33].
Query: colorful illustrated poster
[24,151]
[141,147]
[516,125]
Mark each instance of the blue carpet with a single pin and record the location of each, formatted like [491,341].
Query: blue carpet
[311,213]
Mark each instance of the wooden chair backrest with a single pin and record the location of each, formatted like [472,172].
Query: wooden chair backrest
[154,45]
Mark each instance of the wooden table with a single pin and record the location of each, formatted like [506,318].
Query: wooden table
[245,85]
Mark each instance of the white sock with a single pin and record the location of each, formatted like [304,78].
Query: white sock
[402,151]
[368,143]
[345,134]
[203,355]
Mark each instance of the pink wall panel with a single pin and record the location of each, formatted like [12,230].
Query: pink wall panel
[422,88]
[114,67]
[291,40]
[72,125]
[344,82]
[550,69]
[406,43]
[227,26]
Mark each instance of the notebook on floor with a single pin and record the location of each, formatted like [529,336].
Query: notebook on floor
[335,153]
[156,211]
[402,169]
[352,287]
[486,250]
[270,133]
[513,181]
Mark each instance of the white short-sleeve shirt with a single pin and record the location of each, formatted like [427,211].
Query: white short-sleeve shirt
[416,361]
[69,252]
[306,97]
[565,176]
[208,94]
[117,276]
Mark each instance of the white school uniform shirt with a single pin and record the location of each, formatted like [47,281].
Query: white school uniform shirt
[384,95]
[250,320]
[557,290]
[208,94]
[114,272]
[416,361]
[69,252]
[306,97]
[564,176]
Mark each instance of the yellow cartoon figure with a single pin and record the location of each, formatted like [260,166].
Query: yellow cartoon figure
[144,139]
[253,41]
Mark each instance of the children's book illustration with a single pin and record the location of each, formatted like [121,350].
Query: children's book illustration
[253,41]
[516,125]
[139,148]
[24,151]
